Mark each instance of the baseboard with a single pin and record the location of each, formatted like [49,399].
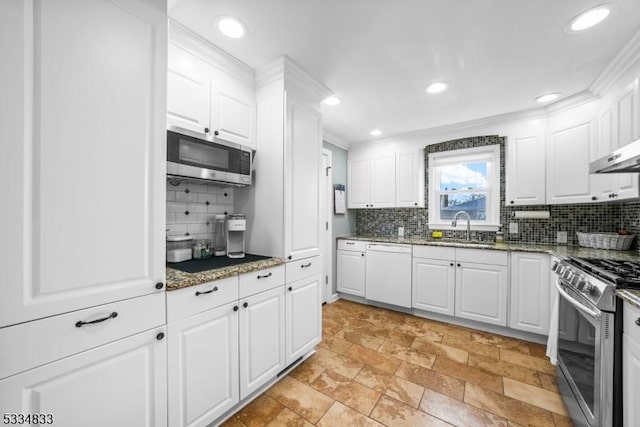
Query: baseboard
[333,298]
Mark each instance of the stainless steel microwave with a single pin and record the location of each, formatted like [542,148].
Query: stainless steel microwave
[192,156]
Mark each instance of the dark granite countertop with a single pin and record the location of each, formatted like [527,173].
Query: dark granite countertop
[561,250]
[177,279]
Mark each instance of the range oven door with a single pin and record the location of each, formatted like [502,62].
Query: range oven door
[585,358]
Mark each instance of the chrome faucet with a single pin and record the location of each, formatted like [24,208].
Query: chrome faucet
[455,222]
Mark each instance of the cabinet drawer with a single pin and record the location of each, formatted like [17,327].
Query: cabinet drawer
[28,345]
[434,252]
[261,280]
[196,299]
[352,245]
[300,269]
[630,327]
[482,256]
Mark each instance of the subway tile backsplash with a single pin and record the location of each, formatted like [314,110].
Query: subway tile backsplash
[191,208]
[569,218]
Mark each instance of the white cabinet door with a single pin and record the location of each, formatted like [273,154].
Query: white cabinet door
[382,181]
[526,171]
[303,319]
[358,184]
[233,112]
[529,292]
[481,292]
[350,271]
[410,179]
[568,156]
[188,90]
[630,380]
[84,150]
[203,366]
[302,182]
[626,125]
[262,339]
[433,285]
[605,184]
[119,384]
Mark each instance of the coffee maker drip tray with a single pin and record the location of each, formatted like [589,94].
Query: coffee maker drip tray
[199,265]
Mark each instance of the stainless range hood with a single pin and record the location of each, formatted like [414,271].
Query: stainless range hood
[623,160]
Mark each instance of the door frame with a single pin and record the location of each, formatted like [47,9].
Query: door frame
[326,204]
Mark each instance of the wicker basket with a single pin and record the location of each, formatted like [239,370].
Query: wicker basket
[614,241]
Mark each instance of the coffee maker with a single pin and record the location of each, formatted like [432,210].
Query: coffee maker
[236,226]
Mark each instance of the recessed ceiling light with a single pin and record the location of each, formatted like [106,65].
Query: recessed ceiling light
[375,132]
[547,97]
[231,27]
[332,100]
[437,87]
[589,18]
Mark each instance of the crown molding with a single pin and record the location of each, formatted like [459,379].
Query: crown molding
[284,69]
[570,102]
[207,51]
[333,139]
[629,55]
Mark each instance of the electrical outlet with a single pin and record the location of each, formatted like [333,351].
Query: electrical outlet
[513,227]
[561,237]
[400,231]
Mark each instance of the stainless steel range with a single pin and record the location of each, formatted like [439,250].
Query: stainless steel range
[589,336]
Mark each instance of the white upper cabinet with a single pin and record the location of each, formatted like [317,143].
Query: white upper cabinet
[385,177]
[358,184]
[625,130]
[84,150]
[188,90]
[571,137]
[526,174]
[410,179]
[208,91]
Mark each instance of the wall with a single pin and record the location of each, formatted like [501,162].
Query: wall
[341,224]
[569,218]
[191,208]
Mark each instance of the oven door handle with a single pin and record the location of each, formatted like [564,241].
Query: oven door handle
[586,310]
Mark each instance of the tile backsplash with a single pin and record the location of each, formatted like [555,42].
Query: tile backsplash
[191,208]
[569,218]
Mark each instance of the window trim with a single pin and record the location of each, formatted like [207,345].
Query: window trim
[490,153]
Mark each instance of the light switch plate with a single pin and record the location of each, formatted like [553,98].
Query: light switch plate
[561,237]
[513,227]
[400,231]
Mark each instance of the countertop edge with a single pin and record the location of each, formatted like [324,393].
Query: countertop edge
[630,296]
[179,280]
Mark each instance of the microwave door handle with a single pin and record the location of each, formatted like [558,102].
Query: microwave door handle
[581,307]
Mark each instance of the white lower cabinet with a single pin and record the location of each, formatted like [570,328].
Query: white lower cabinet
[351,266]
[433,284]
[119,384]
[203,360]
[631,365]
[262,339]
[303,303]
[481,292]
[530,292]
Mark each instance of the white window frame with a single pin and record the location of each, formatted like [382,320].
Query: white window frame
[489,153]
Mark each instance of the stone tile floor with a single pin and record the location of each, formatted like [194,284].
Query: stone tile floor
[377,367]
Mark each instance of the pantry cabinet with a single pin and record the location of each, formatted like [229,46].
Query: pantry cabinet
[128,376]
[351,267]
[530,292]
[60,160]
[208,91]
[285,198]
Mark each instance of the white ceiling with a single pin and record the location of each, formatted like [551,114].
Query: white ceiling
[378,56]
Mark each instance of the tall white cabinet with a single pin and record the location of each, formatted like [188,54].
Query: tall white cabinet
[285,199]
[84,151]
